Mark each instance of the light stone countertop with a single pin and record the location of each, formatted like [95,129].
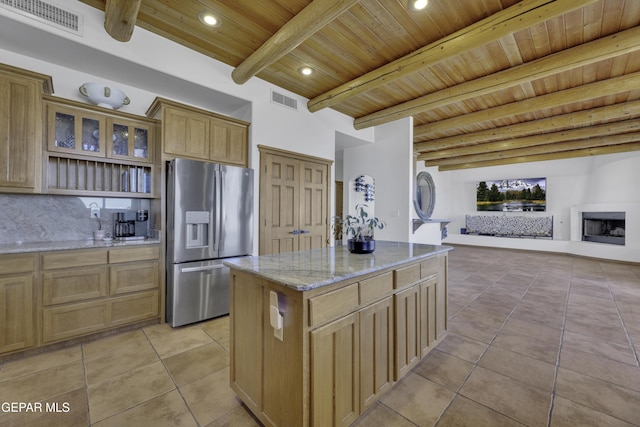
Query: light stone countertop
[307,270]
[17,248]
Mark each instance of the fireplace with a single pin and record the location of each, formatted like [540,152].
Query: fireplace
[603,227]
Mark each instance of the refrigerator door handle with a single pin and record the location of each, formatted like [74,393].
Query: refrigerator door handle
[204,268]
[218,210]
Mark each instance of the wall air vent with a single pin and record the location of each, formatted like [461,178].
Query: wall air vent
[47,13]
[284,100]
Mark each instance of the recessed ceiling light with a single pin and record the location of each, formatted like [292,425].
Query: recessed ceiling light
[209,19]
[305,71]
[418,4]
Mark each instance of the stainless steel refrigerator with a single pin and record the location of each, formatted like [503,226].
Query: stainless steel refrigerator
[209,218]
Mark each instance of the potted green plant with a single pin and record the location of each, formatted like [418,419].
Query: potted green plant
[359,229]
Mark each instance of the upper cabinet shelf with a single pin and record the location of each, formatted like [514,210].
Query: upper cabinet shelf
[75,129]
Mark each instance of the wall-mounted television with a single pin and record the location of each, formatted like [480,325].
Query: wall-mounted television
[512,195]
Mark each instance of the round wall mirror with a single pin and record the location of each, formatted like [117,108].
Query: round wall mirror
[424,198]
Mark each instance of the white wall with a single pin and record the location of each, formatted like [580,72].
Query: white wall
[608,181]
[388,160]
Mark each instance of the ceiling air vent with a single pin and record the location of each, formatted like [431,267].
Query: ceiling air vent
[47,13]
[281,99]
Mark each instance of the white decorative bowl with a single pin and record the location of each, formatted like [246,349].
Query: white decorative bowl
[104,96]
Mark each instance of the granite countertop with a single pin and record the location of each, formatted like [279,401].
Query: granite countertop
[17,248]
[307,270]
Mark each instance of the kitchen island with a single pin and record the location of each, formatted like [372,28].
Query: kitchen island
[318,336]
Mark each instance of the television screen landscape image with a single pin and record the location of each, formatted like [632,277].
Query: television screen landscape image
[512,195]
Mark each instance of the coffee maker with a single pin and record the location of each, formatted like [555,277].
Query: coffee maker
[131,225]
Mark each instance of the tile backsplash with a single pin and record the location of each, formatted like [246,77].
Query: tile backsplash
[44,218]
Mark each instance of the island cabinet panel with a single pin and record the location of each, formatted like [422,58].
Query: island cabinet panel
[343,343]
[376,351]
[335,374]
[17,323]
[407,311]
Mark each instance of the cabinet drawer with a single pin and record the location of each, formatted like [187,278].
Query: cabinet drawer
[333,304]
[75,284]
[133,277]
[141,253]
[75,258]
[74,320]
[19,263]
[133,308]
[429,267]
[406,276]
[375,287]
[84,318]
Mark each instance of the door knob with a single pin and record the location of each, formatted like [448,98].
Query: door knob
[304,231]
[293,232]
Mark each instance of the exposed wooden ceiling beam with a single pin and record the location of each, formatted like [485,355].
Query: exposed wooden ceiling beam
[120,18]
[493,148]
[306,23]
[622,111]
[522,15]
[579,56]
[582,93]
[597,151]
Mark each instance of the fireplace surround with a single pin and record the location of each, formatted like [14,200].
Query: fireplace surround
[604,227]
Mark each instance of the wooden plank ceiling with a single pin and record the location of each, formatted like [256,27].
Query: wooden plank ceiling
[488,82]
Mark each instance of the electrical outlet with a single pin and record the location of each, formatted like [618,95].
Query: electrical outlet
[95,212]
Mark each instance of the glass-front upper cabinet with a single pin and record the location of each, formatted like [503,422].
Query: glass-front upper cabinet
[130,140]
[75,131]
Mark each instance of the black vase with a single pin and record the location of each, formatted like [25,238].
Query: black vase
[365,246]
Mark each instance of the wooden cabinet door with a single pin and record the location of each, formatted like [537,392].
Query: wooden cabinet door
[280,205]
[335,373]
[407,314]
[313,205]
[186,133]
[129,140]
[376,351]
[428,315]
[16,317]
[228,143]
[20,134]
[75,131]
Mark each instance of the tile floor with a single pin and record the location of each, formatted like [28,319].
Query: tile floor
[534,340]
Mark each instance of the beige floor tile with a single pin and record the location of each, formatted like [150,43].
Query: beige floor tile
[380,415]
[218,329]
[462,347]
[464,412]
[167,410]
[473,330]
[43,384]
[519,367]
[600,395]
[570,414]
[239,417]
[444,369]
[522,402]
[410,396]
[600,367]
[197,363]
[127,390]
[121,358]
[530,339]
[169,341]
[40,362]
[210,397]
[620,352]
[65,410]
[108,344]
